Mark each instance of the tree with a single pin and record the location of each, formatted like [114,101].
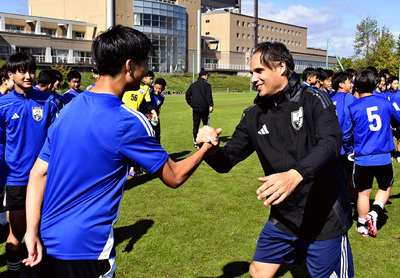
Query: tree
[366,36]
[383,55]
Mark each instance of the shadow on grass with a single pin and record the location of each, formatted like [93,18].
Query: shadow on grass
[139,181]
[133,232]
[179,156]
[224,139]
[233,269]
[395,196]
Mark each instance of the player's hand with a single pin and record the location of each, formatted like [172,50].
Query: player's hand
[207,134]
[35,249]
[278,186]
[211,109]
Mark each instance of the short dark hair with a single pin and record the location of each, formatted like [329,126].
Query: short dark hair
[161,82]
[21,62]
[57,74]
[111,49]
[352,71]
[324,74]
[365,81]
[73,74]
[273,53]
[392,78]
[309,72]
[46,77]
[340,77]
[3,74]
[149,73]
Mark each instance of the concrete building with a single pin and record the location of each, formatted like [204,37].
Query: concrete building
[228,39]
[61,31]
[50,40]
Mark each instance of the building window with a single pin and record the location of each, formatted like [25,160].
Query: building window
[243,23]
[248,36]
[237,35]
[276,29]
[248,50]
[284,31]
[207,21]
[238,23]
[252,37]
[300,34]
[262,27]
[242,49]
[299,43]
[207,33]
[267,28]
[262,38]
[248,24]
[237,48]
[280,30]
[243,36]
[296,33]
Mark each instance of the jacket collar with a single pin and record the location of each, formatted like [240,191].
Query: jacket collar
[291,89]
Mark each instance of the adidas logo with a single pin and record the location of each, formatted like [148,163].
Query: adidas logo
[15,116]
[263,130]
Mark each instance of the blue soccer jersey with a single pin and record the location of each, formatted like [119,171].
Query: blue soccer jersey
[70,94]
[371,119]
[342,101]
[24,120]
[88,155]
[381,94]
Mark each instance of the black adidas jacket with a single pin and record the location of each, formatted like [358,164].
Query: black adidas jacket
[199,95]
[296,128]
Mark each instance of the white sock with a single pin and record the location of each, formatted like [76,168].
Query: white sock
[361,220]
[379,203]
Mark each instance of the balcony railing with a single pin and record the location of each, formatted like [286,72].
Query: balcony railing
[226,67]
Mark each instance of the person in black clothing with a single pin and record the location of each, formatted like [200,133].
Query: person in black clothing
[199,98]
[297,137]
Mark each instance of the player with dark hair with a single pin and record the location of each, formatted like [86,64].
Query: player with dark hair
[373,141]
[297,137]
[309,77]
[46,81]
[95,74]
[343,85]
[6,83]
[58,98]
[85,184]
[325,79]
[25,115]
[157,99]
[74,81]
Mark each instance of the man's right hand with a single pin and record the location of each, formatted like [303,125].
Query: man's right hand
[35,249]
[207,134]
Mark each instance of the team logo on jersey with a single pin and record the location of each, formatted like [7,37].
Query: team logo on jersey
[141,90]
[37,113]
[297,118]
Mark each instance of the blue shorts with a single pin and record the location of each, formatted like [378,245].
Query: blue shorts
[326,258]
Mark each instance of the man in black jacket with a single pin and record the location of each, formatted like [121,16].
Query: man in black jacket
[199,98]
[297,137]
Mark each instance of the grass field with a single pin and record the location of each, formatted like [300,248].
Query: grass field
[209,226]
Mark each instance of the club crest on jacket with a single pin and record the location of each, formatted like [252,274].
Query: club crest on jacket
[297,118]
[37,113]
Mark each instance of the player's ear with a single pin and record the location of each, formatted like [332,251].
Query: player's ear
[129,65]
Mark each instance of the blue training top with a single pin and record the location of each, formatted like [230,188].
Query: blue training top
[88,155]
[24,120]
[70,94]
[371,119]
[342,101]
